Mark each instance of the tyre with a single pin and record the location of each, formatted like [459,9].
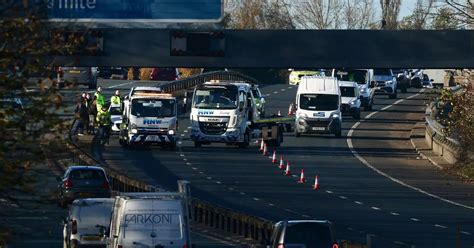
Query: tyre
[246,141]
[297,134]
[197,144]
[338,133]
[393,96]
[356,116]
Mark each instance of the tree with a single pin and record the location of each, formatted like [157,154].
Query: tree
[30,125]
[358,14]
[258,14]
[390,11]
[319,14]
[464,9]
[445,19]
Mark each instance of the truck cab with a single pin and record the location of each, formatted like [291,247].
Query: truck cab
[149,118]
[222,112]
[318,106]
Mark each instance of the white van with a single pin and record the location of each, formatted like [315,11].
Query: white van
[318,106]
[150,220]
[350,99]
[85,215]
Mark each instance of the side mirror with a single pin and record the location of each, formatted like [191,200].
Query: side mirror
[431,80]
[372,84]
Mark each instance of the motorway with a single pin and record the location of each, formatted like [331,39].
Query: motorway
[372,179]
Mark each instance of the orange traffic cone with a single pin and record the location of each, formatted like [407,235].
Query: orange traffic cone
[265,152]
[290,109]
[279,113]
[288,170]
[316,183]
[274,159]
[302,179]
[261,145]
[282,163]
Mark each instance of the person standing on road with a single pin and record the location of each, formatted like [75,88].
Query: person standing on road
[82,118]
[93,113]
[100,99]
[115,99]
[103,123]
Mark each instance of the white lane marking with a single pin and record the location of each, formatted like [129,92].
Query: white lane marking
[350,229]
[181,155]
[209,178]
[398,243]
[231,189]
[182,135]
[367,164]
[414,219]
[289,210]
[294,175]
[358,202]
[117,85]
[394,213]
[185,131]
[306,216]
[375,208]
[194,168]
[328,191]
[466,233]
[218,182]
[242,193]
[256,199]
[202,173]
[180,142]
[290,87]
[275,92]
[271,204]
[188,163]
[440,226]
[283,89]
[342,197]
[189,127]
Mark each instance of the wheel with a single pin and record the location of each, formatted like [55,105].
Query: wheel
[246,141]
[197,144]
[357,115]
[297,134]
[393,96]
[338,133]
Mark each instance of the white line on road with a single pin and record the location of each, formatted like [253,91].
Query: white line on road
[118,85]
[209,178]
[358,202]
[394,213]
[275,92]
[201,172]
[466,233]
[194,168]
[188,163]
[375,208]
[283,89]
[440,226]
[342,197]
[256,199]
[242,193]
[271,204]
[328,191]
[181,155]
[306,216]
[218,182]
[185,159]
[290,87]
[366,163]
[415,219]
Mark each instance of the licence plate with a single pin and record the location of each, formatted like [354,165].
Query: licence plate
[91,238]
[75,72]
[318,128]
[152,138]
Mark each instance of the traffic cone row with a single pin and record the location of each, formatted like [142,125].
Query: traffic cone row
[287,168]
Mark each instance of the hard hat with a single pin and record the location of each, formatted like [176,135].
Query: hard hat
[117,92]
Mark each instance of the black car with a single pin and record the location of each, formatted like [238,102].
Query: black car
[82,182]
[303,233]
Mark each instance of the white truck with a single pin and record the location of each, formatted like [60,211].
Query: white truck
[318,106]
[149,117]
[225,112]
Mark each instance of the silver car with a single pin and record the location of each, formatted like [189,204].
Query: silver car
[78,75]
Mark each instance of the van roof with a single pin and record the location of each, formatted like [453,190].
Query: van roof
[153,195]
[318,84]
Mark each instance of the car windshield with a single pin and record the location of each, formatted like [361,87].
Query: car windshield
[115,111]
[319,102]
[216,97]
[358,76]
[347,91]
[87,174]
[384,72]
[311,235]
[153,107]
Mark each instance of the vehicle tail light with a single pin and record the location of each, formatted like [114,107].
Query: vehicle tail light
[281,246]
[119,246]
[105,185]
[74,227]
[68,184]
[335,245]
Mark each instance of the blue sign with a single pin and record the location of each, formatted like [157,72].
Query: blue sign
[177,11]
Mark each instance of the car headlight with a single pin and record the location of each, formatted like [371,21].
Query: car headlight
[301,121]
[171,132]
[363,90]
[334,115]
[352,102]
[389,82]
[134,131]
